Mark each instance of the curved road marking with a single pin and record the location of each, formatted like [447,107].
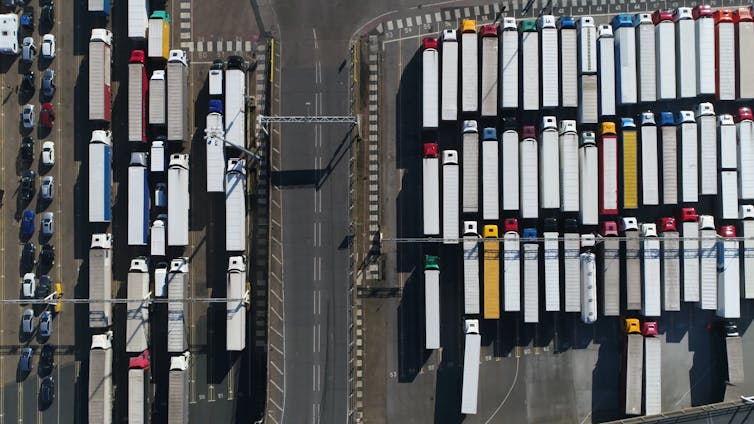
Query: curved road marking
[510,390]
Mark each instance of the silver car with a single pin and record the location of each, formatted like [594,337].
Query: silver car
[28,50]
[45,324]
[48,224]
[27,359]
[47,189]
[27,322]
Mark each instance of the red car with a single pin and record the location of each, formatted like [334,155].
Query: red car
[47,116]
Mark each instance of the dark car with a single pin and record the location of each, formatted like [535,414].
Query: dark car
[48,83]
[47,255]
[47,359]
[48,14]
[27,83]
[28,256]
[28,184]
[47,391]
[217,64]
[27,223]
[27,149]
[47,116]
[44,287]
[27,19]
[236,62]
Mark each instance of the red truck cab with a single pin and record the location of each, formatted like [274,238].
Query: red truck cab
[427,43]
[649,329]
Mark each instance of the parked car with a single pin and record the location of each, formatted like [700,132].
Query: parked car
[48,46]
[47,115]
[27,355]
[48,224]
[47,188]
[217,64]
[29,285]
[27,149]
[47,359]
[47,17]
[47,255]
[47,391]
[28,50]
[27,223]
[28,256]
[27,323]
[161,195]
[27,116]
[48,83]
[48,153]
[27,19]
[45,324]
[44,287]
[27,83]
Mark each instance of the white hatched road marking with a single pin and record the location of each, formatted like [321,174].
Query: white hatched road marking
[210,46]
[200,46]
[399,22]
[389,25]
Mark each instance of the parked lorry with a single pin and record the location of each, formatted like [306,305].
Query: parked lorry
[470,165]
[491,273]
[157,114]
[728,274]
[571,266]
[99,7]
[432,302]
[549,70]
[509,55]
[177,98]
[569,94]
[235,206]
[707,262]
[744,37]
[100,176]
[235,310]
[725,59]
[610,268]
[215,83]
[531,275]
[588,103]
[669,142]
[529,173]
[137,93]
[100,281]
[632,263]
[431,190]
[510,170]
[625,59]
[549,157]
[685,38]
[489,70]
[177,280]
[158,43]
[100,98]
[587,70]
[608,169]
[689,161]
[471,352]
[630,180]
[671,264]
[704,23]
[214,140]
[138,200]
[137,312]
[100,395]
[430,83]
[606,70]
[632,367]
[450,186]
[650,178]
[650,264]
[178,199]
[139,389]
[157,236]
[138,13]
[235,107]
[707,123]
[665,56]
[690,254]
[728,167]
[529,46]
[745,132]
[469,67]
[734,352]
[588,164]
[747,232]
[652,369]
[551,254]
[645,53]
[9,30]
[588,268]
[471,244]
[490,176]
[449,92]
[511,266]
[568,149]
[178,389]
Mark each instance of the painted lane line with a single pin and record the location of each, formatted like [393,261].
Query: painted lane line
[314,32]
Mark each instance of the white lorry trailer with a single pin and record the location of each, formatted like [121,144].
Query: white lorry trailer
[430,83]
[633,368]
[728,274]
[157,115]
[235,106]
[138,14]
[551,250]
[450,186]
[652,369]
[137,90]
[685,38]
[100,176]
[550,69]
[645,52]
[138,200]
[178,389]
[747,232]
[449,93]
[569,94]
[214,140]
[707,262]
[431,302]
[235,206]
[728,167]
[177,96]
[471,352]
[588,92]
[511,266]
[588,271]
[690,254]
[178,199]
[606,70]
[610,268]
[669,142]
[139,389]
[431,190]
[707,123]
[100,395]
[178,279]
[632,263]
[588,165]
[157,236]
[704,24]
[490,176]
[531,275]
[471,244]
[529,173]
[137,313]
[549,157]
[650,190]
[100,281]
[235,310]
[744,62]
[650,264]
[510,170]
[671,264]
[569,171]
[509,54]
[100,62]
[608,169]
[687,131]
[571,266]
[725,59]
[489,70]
[469,67]
[529,46]
[745,131]
[470,167]
[625,59]
[665,54]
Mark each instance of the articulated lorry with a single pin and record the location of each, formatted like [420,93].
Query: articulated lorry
[430,83]
[529,173]
[610,268]
[671,264]
[178,389]
[630,162]
[489,70]
[728,167]
[490,176]
[531,275]
[158,43]
[177,96]
[431,190]
[685,39]
[745,132]
[652,369]
[157,115]
[588,164]
[529,47]
[177,281]
[606,70]
[669,142]
[568,149]
[664,33]
[178,199]
[707,263]
[571,266]
[632,367]
[587,70]
[469,67]
[608,169]
[138,14]
[235,310]
[509,55]
[137,92]
[471,352]
[100,62]
[744,62]
[746,230]
[432,302]
[625,59]
[100,281]
[450,187]
[449,79]
[728,274]
[549,71]
[138,200]
[100,395]
[140,392]
[707,124]
[471,245]
[511,266]
[650,267]
[549,158]
[588,265]
[100,176]
[645,52]
[725,59]
[470,166]
[632,263]
[551,250]
[235,206]
[491,273]
[509,163]
[137,312]
[214,140]
[650,176]
[690,254]
[704,23]
[689,144]
[569,93]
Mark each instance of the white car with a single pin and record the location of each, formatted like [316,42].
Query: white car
[48,224]
[48,46]
[29,285]
[47,189]
[28,116]
[48,153]
[28,50]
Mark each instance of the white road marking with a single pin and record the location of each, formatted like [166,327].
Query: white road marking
[314,33]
